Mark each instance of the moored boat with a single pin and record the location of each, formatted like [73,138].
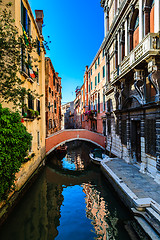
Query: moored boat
[97,156]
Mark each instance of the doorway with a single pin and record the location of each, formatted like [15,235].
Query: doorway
[136,140]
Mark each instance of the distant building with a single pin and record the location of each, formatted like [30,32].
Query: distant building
[77,109]
[67,121]
[53,98]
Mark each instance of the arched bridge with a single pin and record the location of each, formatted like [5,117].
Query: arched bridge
[67,135]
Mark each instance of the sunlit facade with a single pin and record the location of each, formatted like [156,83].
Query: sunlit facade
[53,98]
[34,79]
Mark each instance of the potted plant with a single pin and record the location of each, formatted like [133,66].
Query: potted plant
[31,113]
[36,113]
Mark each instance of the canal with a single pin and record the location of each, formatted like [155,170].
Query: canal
[70,200]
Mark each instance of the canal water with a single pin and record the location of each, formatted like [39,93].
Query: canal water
[70,200]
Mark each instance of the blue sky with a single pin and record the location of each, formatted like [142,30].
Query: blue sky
[76,30]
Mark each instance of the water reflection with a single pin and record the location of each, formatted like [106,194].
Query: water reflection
[97,211]
[73,162]
[65,206]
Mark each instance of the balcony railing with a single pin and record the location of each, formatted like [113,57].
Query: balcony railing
[149,46]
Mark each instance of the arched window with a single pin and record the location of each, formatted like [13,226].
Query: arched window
[134,29]
[149,16]
[152,17]
[136,32]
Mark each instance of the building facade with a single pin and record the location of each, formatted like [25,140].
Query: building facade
[96,95]
[52,98]
[92,95]
[77,109]
[67,121]
[132,88]
[33,116]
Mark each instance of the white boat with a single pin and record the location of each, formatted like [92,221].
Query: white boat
[97,156]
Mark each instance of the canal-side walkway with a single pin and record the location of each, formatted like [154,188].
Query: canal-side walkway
[138,191]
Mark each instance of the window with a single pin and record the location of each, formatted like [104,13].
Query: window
[95,65]
[54,82]
[38,105]
[55,106]
[52,93]
[49,106]
[103,53]
[57,88]
[103,71]
[104,104]
[96,81]
[99,77]
[91,86]
[91,72]
[95,104]
[38,47]
[109,105]
[31,147]
[150,136]
[50,123]
[29,65]
[49,90]
[98,60]
[38,138]
[30,101]
[109,125]
[25,20]
[98,101]
[37,75]
[23,66]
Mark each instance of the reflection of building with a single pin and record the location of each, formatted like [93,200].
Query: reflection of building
[67,115]
[53,98]
[75,159]
[96,210]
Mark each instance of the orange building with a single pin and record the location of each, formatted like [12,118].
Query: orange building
[53,98]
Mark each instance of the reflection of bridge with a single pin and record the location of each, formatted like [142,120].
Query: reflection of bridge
[68,135]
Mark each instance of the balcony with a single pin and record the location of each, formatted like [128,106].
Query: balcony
[149,46]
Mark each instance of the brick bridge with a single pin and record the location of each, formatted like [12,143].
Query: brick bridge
[67,135]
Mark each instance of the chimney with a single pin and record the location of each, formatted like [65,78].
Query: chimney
[39,19]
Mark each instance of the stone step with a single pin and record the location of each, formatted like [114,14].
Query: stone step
[149,219]
[147,228]
[153,214]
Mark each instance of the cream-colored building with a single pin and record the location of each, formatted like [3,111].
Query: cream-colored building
[24,21]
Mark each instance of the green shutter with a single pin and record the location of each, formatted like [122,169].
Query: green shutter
[98,77]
